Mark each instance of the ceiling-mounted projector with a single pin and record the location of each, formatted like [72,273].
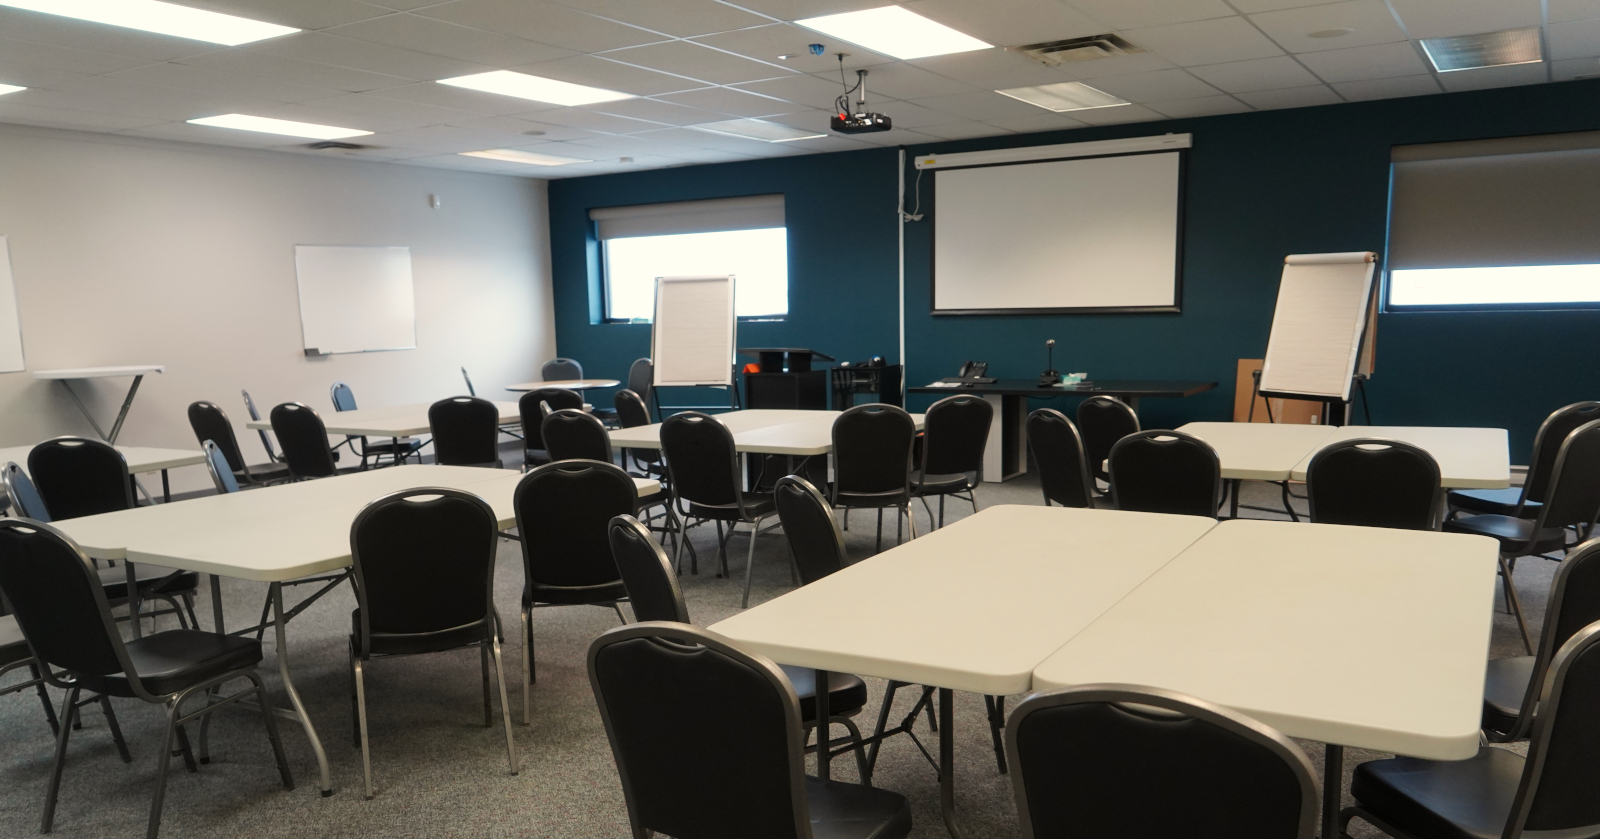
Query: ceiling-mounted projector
[857,119]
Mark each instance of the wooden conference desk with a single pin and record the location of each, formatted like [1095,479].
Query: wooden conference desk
[397,421]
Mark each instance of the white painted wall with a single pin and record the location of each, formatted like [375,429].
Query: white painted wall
[133,251]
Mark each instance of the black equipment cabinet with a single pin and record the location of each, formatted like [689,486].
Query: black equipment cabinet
[786,380]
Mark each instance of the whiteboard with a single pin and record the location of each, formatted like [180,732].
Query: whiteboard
[355,299]
[1316,340]
[1098,233]
[10,321]
[692,336]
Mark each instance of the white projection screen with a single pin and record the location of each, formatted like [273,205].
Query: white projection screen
[1095,234]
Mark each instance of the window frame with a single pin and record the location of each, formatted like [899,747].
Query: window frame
[605,283]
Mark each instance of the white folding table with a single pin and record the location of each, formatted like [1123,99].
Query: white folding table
[1259,451]
[1469,458]
[757,431]
[566,384]
[65,377]
[140,459]
[395,421]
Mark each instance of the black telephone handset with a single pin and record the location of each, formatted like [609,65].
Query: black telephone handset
[973,370]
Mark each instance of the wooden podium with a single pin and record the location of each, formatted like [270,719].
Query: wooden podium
[785,379]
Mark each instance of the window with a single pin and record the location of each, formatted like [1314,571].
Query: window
[745,237]
[1510,223]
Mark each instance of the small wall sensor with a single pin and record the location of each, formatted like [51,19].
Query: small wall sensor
[434,202]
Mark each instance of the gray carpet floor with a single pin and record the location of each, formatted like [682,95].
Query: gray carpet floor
[440,773]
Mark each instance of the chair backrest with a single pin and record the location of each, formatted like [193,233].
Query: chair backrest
[304,439]
[646,572]
[564,512]
[1166,472]
[466,431]
[1120,760]
[217,465]
[1574,604]
[631,409]
[561,369]
[1547,444]
[344,399]
[571,434]
[25,497]
[210,423]
[1103,421]
[1556,792]
[1574,494]
[77,476]
[661,688]
[1373,482]
[872,451]
[701,460]
[532,412]
[642,377]
[1058,452]
[266,439]
[424,562]
[955,431]
[471,391]
[808,524]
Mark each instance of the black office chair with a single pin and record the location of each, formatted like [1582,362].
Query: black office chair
[266,439]
[563,512]
[633,412]
[663,687]
[1166,472]
[1573,501]
[210,423]
[1103,421]
[872,462]
[561,370]
[955,431]
[64,614]
[574,435]
[424,579]
[1373,482]
[704,473]
[654,594]
[1058,453]
[533,406]
[397,449]
[1148,763]
[1524,502]
[1550,793]
[305,441]
[642,379]
[466,432]
[222,476]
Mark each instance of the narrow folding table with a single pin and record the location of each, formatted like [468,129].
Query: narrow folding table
[1469,458]
[757,431]
[66,377]
[565,384]
[395,421]
[140,460]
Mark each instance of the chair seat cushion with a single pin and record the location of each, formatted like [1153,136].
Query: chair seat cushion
[755,504]
[1495,502]
[115,580]
[574,595]
[1513,534]
[13,648]
[170,661]
[942,484]
[413,643]
[1456,799]
[263,472]
[846,693]
[1504,687]
[851,811]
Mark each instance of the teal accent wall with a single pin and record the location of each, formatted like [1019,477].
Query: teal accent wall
[1259,186]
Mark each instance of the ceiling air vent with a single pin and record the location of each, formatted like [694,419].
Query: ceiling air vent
[1488,49]
[1077,49]
[335,145]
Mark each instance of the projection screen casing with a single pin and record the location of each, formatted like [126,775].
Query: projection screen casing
[1093,234]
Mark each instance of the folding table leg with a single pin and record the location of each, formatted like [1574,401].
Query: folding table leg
[947,762]
[824,733]
[1332,789]
[299,713]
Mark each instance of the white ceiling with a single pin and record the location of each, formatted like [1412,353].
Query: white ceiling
[371,64]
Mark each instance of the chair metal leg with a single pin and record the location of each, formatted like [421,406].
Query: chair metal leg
[877,733]
[750,559]
[878,546]
[44,699]
[116,730]
[54,790]
[941,511]
[505,704]
[188,606]
[911,523]
[355,711]
[1516,605]
[163,763]
[361,727]
[527,666]
[615,607]
[483,663]
[185,750]
[929,509]
[996,706]
[722,550]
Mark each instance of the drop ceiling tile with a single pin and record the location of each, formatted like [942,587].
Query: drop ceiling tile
[365,55]
[1118,115]
[1037,122]
[314,112]
[221,83]
[185,132]
[103,94]
[402,5]
[546,131]
[1435,19]
[27,75]
[708,140]
[460,98]
[372,106]
[1380,61]
[809,91]
[1369,21]
[292,70]
[710,156]
[1575,68]
[1564,11]
[1158,86]
[1121,65]
[903,81]
[1256,74]
[912,115]
[473,164]
[301,14]
[1203,106]
[547,23]
[1291,97]
[1488,77]
[24,114]
[727,100]
[1572,40]
[596,71]
[612,145]
[990,69]
[686,58]
[656,111]
[1128,14]
[594,121]
[1205,41]
[456,138]
[1250,7]
[680,18]
[464,43]
[1388,88]
[14,53]
[983,105]
[766,43]
[963,130]
[800,9]
[1009,22]
[816,121]
[95,37]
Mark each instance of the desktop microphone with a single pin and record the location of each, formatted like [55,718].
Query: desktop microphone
[1049,376]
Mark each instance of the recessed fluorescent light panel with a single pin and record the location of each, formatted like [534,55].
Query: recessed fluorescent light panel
[1489,49]
[267,125]
[9,88]
[1064,96]
[894,31]
[758,129]
[161,18]
[514,156]
[524,86]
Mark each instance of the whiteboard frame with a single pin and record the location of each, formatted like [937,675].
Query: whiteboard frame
[10,275]
[300,292]
[732,333]
[1358,341]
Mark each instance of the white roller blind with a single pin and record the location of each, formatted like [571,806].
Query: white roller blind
[751,212]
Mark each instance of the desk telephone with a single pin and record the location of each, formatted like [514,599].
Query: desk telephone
[971,373]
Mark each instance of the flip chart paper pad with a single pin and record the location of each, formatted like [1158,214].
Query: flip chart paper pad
[356,299]
[1317,326]
[691,340]
[10,322]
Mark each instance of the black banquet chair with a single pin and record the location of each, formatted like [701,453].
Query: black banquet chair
[1524,502]
[706,482]
[395,449]
[255,416]
[67,621]
[1147,763]
[210,422]
[1059,455]
[424,581]
[466,432]
[305,441]
[872,462]
[1166,472]
[15,655]
[955,431]
[1373,482]
[561,370]
[532,407]
[571,434]
[633,412]
[709,742]
[1103,421]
